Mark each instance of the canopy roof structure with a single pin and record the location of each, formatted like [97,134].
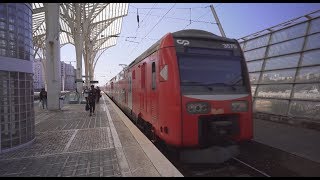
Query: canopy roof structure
[105,22]
[90,27]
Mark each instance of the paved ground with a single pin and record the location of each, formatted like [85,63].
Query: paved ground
[71,143]
[299,141]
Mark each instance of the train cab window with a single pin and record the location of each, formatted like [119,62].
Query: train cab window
[153,75]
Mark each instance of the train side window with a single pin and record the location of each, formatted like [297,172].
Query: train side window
[153,74]
[133,74]
[111,85]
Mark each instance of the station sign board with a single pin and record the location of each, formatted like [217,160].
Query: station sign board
[79,80]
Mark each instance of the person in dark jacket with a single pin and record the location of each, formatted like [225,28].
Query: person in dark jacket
[43,98]
[92,99]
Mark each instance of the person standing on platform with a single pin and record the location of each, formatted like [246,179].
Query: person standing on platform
[43,98]
[92,99]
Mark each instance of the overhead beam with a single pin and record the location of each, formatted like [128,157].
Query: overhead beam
[38,10]
[101,29]
[93,25]
[37,28]
[98,12]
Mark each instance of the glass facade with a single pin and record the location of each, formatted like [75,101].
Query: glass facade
[284,69]
[16,80]
[15,28]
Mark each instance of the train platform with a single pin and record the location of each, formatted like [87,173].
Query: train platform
[69,142]
[299,141]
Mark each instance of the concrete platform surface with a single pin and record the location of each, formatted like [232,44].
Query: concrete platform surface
[296,140]
[69,142]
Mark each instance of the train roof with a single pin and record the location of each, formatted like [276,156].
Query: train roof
[145,54]
[188,33]
[199,34]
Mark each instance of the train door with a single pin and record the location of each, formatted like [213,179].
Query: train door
[130,91]
[142,92]
[153,94]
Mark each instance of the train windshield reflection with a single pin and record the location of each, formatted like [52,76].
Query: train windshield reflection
[210,70]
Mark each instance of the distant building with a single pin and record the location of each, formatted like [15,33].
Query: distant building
[67,77]
[70,77]
[38,79]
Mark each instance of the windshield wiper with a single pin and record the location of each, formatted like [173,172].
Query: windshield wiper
[191,82]
[235,81]
[208,85]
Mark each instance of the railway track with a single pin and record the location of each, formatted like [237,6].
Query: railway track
[252,168]
[232,168]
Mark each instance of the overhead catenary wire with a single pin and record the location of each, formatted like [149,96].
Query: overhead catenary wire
[153,8]
[197,18]
[189,8]
[147,16]
[144,20]
[218,5]
[178,18]
[199,7]
[202,16]
[152,28]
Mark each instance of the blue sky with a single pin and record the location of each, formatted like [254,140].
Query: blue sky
[237,19]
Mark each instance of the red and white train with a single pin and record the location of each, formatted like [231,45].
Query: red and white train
[190,89]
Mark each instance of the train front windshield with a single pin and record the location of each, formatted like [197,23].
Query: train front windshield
[211,72]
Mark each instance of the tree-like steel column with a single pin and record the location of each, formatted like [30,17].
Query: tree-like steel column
[52,54]
[88,42]
[89,53]
[86,68]
[78,40]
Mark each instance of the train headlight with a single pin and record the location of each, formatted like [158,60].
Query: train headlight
[198,107]
[239,106]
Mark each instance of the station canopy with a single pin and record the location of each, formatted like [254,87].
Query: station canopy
[105,21]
